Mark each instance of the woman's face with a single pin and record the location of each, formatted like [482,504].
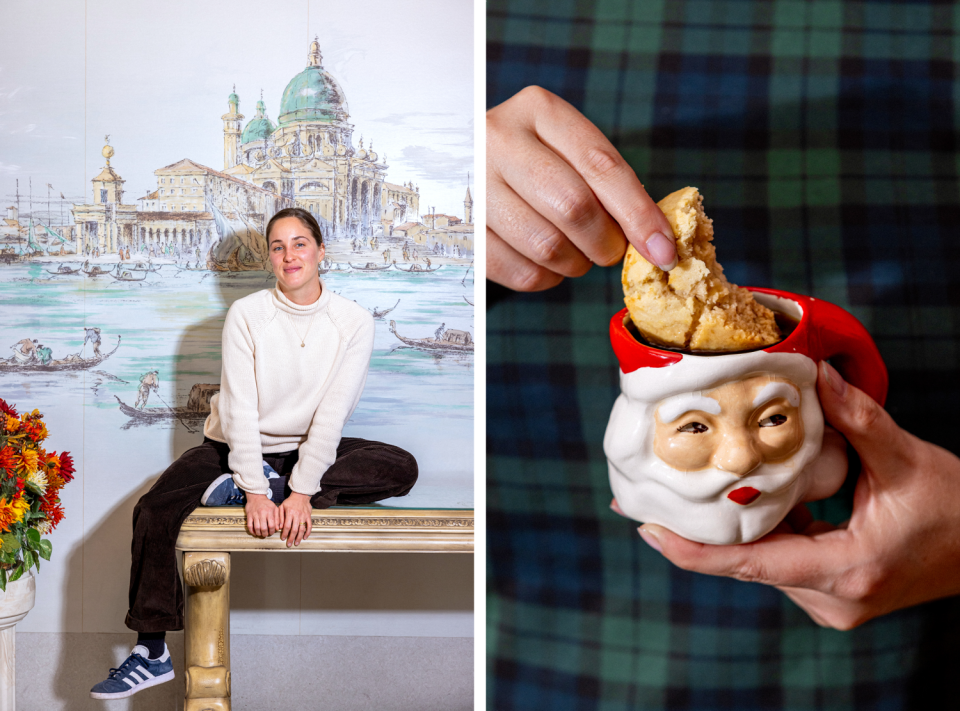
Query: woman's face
[294,255]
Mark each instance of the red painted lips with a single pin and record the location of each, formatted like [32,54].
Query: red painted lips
[744,495]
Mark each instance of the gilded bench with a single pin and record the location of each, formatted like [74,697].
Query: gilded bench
[209,535]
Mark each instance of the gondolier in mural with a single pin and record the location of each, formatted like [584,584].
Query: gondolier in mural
[148,381]
[438,334]
[93,336]
[25,351]
[295,360]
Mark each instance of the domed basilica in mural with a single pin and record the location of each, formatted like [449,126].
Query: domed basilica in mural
[309,155]
[307,158]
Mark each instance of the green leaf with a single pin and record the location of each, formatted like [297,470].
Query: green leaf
[29,559]
[46,548]
[34,535]
[17,572]
[3,579]
[35,488]
[8,557]
[10,543]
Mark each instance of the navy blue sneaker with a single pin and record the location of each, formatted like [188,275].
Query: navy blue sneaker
[224,491]
[136,673]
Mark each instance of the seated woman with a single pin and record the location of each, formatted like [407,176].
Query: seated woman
[295,360]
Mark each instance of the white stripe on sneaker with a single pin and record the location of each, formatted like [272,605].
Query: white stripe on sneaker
[143,671]
[129,683]
[133,675]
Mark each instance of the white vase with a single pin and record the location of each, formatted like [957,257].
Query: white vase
[15,603]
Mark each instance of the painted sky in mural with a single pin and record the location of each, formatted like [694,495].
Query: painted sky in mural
[160,88]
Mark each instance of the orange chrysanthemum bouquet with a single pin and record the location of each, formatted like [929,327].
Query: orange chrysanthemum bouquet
[30,483]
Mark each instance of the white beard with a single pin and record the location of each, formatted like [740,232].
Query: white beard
[695,504]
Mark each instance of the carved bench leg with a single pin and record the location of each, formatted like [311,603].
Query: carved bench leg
[207,631]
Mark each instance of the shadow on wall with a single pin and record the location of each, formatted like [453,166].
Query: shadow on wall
[414,595]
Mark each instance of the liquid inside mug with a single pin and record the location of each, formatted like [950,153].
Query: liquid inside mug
[719,447]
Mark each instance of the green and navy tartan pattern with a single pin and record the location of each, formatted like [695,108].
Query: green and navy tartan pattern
[823,136]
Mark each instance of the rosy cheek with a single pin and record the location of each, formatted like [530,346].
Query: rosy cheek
[778,443]
[684,451]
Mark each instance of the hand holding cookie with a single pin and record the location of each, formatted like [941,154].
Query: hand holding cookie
[560,197]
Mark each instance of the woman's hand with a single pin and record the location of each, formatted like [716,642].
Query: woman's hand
[560,197]
[262,517]
[901,546]
[295,520]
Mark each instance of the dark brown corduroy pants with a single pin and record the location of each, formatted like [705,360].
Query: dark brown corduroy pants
[364,472]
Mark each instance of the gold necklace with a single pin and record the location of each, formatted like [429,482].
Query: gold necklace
[304,338]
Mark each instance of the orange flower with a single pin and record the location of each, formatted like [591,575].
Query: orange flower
[38,431]
[12,512]
[28,460]
[52,464]
[7,459]
[13,424]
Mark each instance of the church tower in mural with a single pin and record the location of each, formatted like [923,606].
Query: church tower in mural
[231,130]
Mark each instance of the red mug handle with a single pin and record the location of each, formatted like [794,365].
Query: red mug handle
[848,345]
[827,331]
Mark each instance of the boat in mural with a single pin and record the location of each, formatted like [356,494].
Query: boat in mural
[126,275]
[196,409]
[369,267]
[417,269]
[188,268]
[451,341]
[64,269]
[74,361]
[95,270]
[377,314]
[8,255]
[61,250]
[327,266]
[33,249]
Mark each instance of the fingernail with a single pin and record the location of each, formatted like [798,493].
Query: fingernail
[650,539]
[837,383]
[662,251]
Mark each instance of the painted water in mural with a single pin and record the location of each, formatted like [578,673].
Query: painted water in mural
[112,343]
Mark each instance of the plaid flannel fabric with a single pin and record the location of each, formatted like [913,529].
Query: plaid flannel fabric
[823,135]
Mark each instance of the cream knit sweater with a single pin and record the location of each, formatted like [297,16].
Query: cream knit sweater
[276,396]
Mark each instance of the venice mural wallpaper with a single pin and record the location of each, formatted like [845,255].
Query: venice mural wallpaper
[142,154]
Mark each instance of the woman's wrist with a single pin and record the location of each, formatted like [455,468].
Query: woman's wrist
[297,496]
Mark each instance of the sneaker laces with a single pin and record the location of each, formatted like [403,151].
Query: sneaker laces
[122,669]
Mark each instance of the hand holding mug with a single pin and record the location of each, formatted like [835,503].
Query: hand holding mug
[899,548]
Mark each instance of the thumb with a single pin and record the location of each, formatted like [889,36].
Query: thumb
[881,444]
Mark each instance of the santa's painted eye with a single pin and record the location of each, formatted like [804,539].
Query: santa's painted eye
[693,428]
[773,421]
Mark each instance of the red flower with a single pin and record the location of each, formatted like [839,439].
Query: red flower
[66,467]
[7,409]
[20,484]
[54,513]
[7,458]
